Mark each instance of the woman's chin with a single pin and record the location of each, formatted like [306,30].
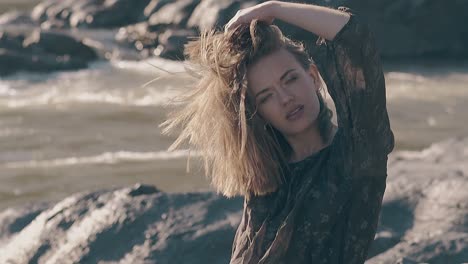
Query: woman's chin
[297,127]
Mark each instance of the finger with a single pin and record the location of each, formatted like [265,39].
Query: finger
[230,26]
[231,21]
[227,27]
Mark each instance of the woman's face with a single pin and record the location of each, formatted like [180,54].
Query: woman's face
[279,85]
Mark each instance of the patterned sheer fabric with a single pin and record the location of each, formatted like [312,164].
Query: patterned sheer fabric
[327,210]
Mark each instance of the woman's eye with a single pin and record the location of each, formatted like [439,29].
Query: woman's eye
[264,99]
[293,78]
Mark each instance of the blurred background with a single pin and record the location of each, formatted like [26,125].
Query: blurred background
[75,113]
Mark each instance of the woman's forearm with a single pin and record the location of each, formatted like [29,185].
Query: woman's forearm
[322,21]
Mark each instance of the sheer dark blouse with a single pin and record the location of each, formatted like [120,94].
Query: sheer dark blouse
[328,209]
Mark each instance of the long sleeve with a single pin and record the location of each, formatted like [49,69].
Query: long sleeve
[351,68]
[352,71]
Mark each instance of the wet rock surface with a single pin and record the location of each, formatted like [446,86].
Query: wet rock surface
[424,218]
[42,51]
[129,225]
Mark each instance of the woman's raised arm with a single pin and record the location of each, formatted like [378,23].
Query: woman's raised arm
[322,21]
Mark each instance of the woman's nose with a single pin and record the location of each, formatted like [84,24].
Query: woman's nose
[284,95]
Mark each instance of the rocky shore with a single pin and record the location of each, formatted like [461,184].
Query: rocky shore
[424,218]
[54,36]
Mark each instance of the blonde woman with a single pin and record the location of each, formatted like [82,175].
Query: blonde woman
[313,190]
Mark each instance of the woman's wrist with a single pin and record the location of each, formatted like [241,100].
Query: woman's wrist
[323,21]
[272,8]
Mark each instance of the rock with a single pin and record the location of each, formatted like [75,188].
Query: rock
[11,41]
[90,13]
[13,61]
[406,261]
[59,44]
[154,6]
[414,29]
[39,12]
[213,13]
[98,18]
[140,189]
[141,36]
[424,215]
[42,51]
[111,51]
[176,13]
[53,24]
[119,226]
[403,29]
[60,11]
[171,44]
[14,220]
[81,18]
[406,29]
[112,13]
[15,18]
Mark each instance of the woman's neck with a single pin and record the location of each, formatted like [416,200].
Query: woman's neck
[307,143]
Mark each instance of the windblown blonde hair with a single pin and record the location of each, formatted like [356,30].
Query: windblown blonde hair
[240,156]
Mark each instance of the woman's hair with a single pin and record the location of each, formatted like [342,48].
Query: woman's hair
[240,156]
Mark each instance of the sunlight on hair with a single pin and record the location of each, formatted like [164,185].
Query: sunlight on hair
[240,156]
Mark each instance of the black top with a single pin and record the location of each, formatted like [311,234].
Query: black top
[327,210]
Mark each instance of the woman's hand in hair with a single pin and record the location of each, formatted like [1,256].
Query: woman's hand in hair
[323,21]
[262,12]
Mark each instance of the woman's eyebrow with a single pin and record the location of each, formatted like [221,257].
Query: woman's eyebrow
[281,78]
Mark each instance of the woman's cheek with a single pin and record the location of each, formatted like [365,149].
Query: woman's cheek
[270,112]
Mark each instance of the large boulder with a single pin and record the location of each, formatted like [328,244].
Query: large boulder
[425,208]
[406,29]
[90,13]
[110,14]
[171,43]
[11,40]
[417,28]
[213,13]
[154,6]
[12,61]
[140,36]
[138,224]
[403,29]
[16,17]
[59,44]
[42,51]
[176,13]
[39,12]
[59,11]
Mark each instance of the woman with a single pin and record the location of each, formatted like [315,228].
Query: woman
[313,191]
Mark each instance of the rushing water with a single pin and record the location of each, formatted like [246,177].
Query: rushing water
[96,128]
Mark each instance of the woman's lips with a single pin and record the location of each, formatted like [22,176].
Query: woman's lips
[296,114]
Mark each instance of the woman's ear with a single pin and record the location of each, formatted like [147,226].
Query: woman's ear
[313,72]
